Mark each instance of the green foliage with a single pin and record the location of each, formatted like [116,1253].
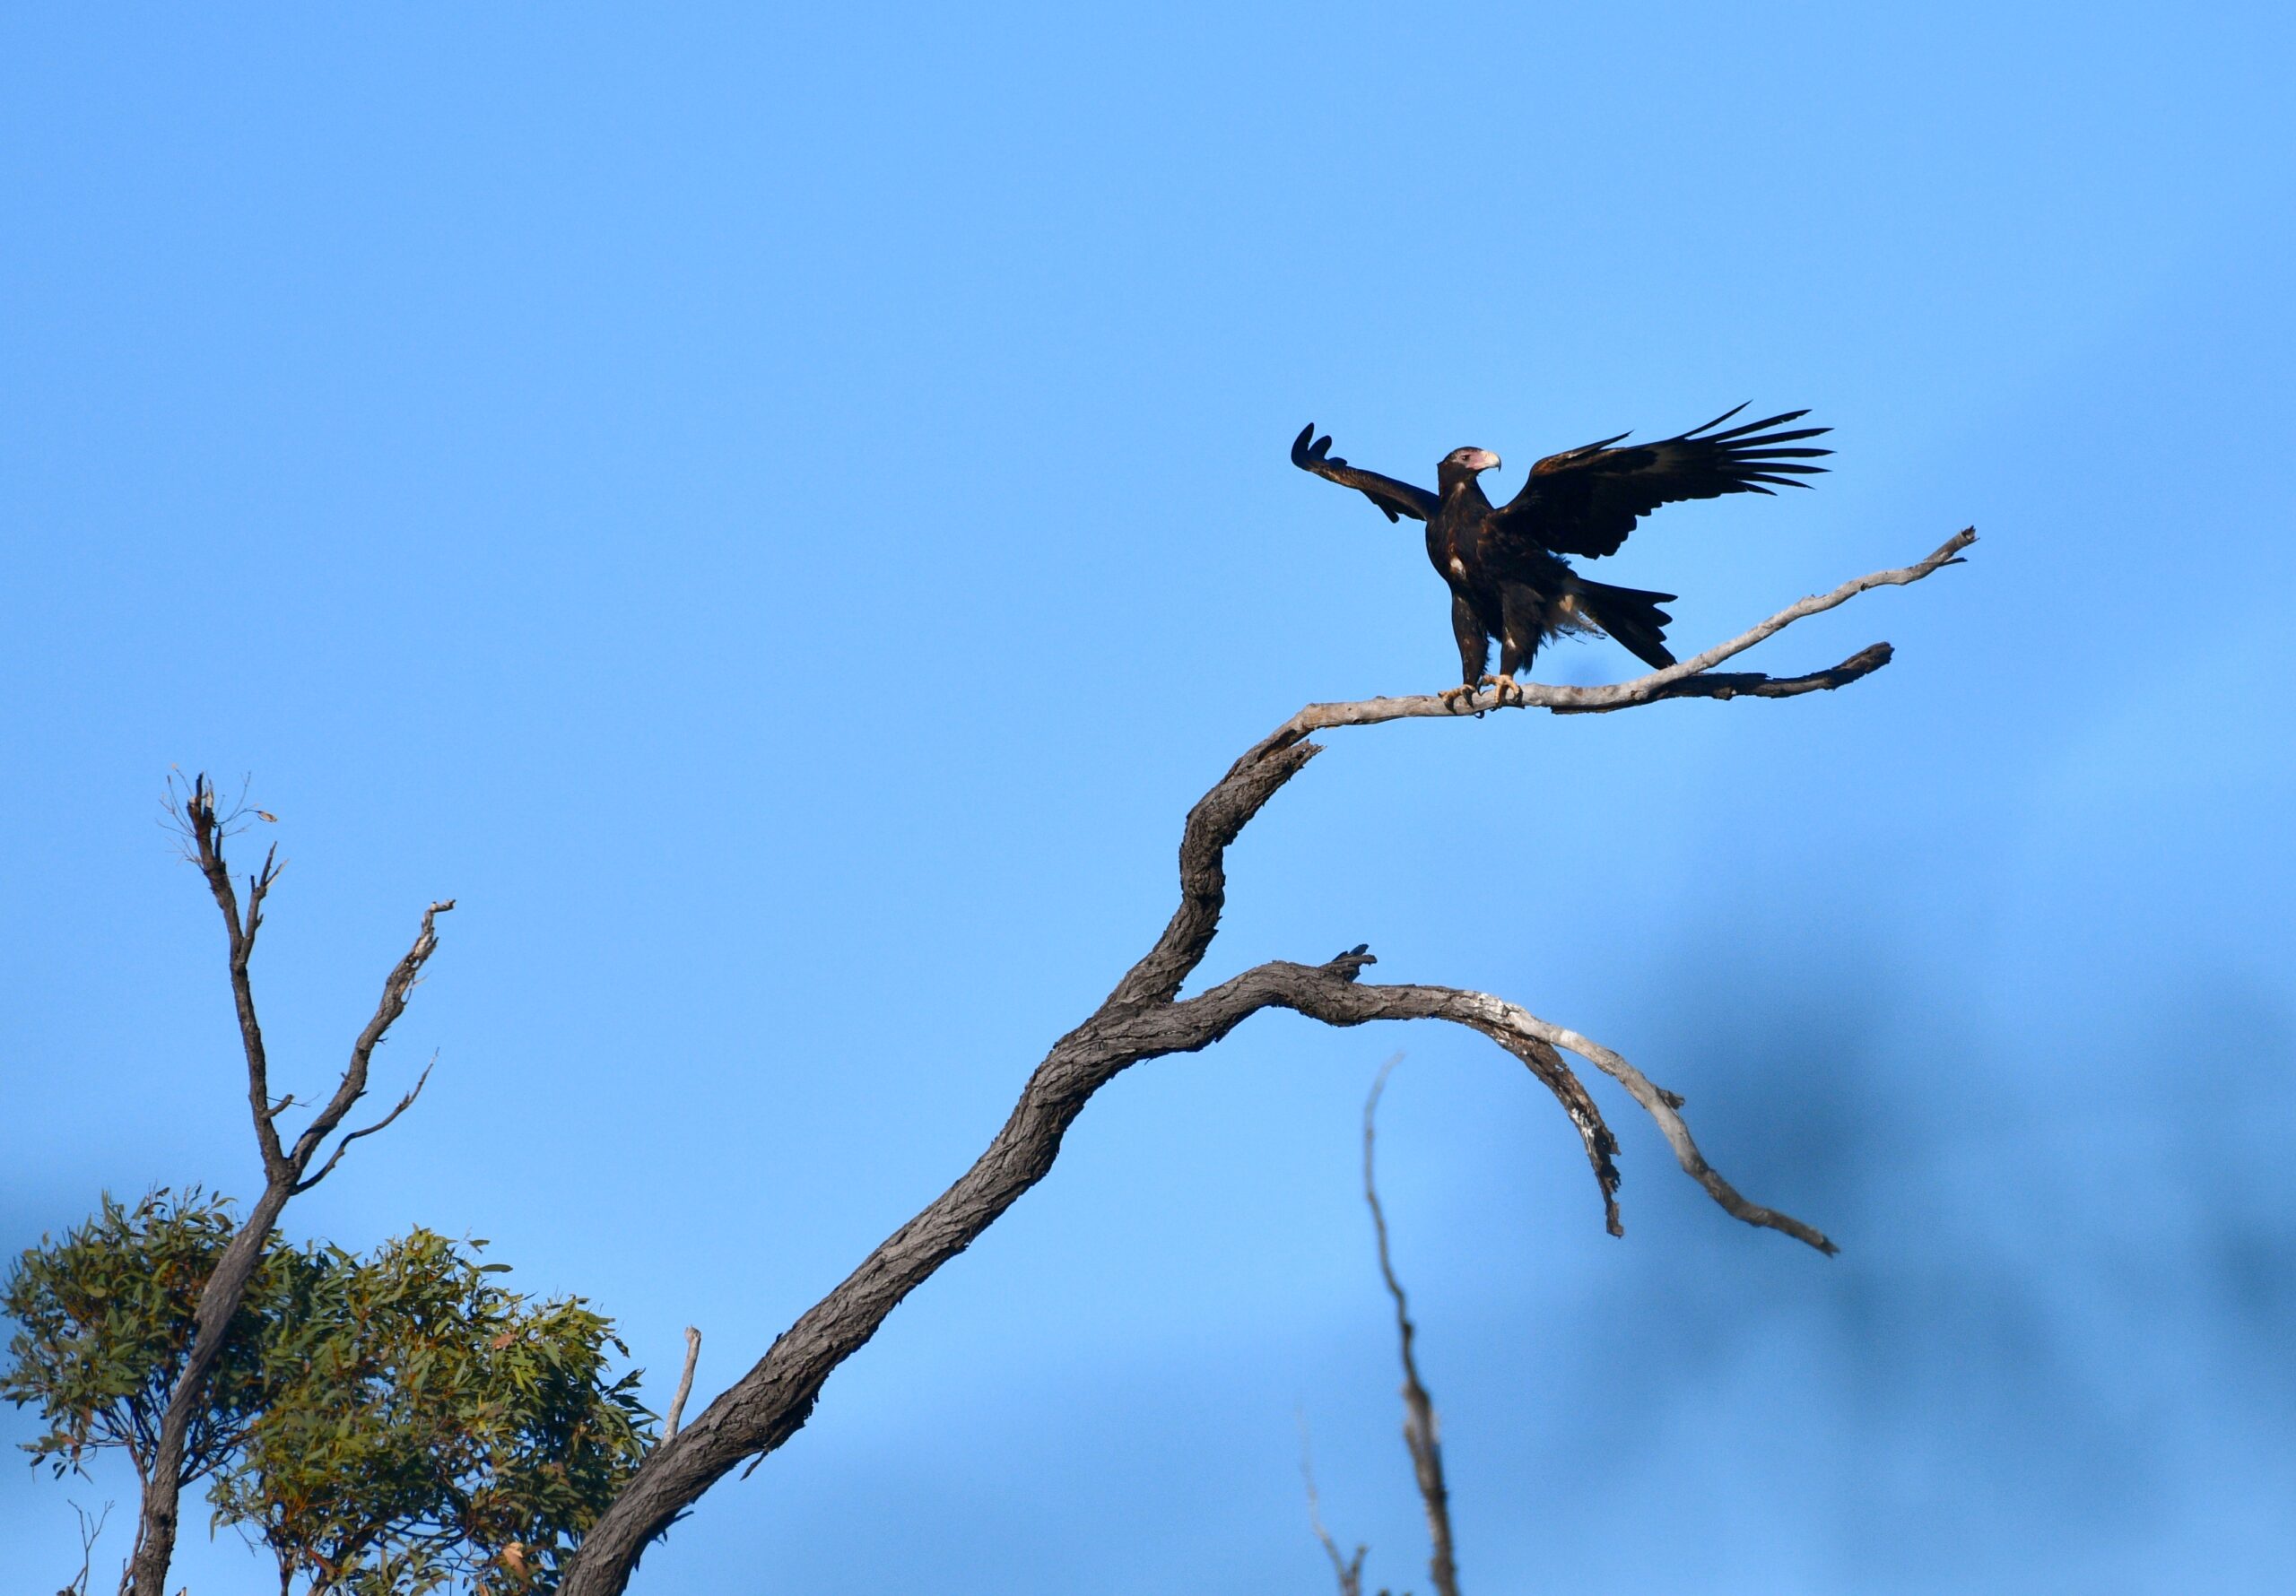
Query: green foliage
[104,1326]
[426,1425]
[387,1427]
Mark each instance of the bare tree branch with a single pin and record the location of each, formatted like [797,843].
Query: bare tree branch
[1311,991]
[1752,684]
[1658,684]
[1422,1435]
[686,1383]
[1347,1571]
[91,1529]
[205,828]
[383,1124]
[397,988]
[1144,1018]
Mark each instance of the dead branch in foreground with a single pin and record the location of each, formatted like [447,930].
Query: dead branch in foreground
[1146,1018]
[1420,1435]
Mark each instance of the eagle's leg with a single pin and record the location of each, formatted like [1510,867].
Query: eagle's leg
[1474,651]
[1511,659]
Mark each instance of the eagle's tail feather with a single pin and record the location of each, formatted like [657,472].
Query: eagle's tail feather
[1631,616]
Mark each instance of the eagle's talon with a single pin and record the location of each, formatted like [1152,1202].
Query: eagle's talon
[1507,690]
[1456,698]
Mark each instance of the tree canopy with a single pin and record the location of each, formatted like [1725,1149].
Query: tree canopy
[398,1423]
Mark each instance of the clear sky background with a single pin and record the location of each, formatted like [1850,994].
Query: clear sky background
[779,512]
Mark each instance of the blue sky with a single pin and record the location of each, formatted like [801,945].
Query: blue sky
[779,513]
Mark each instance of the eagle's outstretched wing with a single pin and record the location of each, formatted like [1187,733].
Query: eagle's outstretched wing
[1398,500]
[1586,500]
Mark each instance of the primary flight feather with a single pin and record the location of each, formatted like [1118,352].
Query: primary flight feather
[1504,563]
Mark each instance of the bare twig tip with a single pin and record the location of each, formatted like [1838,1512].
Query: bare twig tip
[686,1384]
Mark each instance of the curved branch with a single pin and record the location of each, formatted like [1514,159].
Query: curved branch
[1751,684]
[1144,1018]
[1215,821]
[1311,990]
[1220,815]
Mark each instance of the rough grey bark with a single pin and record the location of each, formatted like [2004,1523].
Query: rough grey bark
[1146,1018]
[285,1166]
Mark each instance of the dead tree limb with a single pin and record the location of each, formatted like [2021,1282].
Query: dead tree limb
[686,1383]
[285,1165]
[1422,1435]
[1146,1018]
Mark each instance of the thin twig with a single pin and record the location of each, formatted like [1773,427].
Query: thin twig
[1422,1435]
[91,1529]
[1348,1571]
[383,1124]
[686,1383]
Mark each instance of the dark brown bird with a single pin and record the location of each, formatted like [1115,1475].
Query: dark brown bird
[1504,563]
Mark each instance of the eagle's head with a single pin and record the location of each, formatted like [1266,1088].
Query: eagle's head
[1461,466]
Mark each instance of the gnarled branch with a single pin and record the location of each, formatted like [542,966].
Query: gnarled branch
[1146,1018]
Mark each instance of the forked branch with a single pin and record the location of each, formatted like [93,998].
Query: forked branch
[1146,1018]
[205,827]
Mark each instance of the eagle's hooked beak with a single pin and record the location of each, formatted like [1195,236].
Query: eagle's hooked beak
[1480,460]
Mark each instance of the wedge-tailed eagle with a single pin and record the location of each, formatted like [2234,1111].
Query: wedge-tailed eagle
[1504,563]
